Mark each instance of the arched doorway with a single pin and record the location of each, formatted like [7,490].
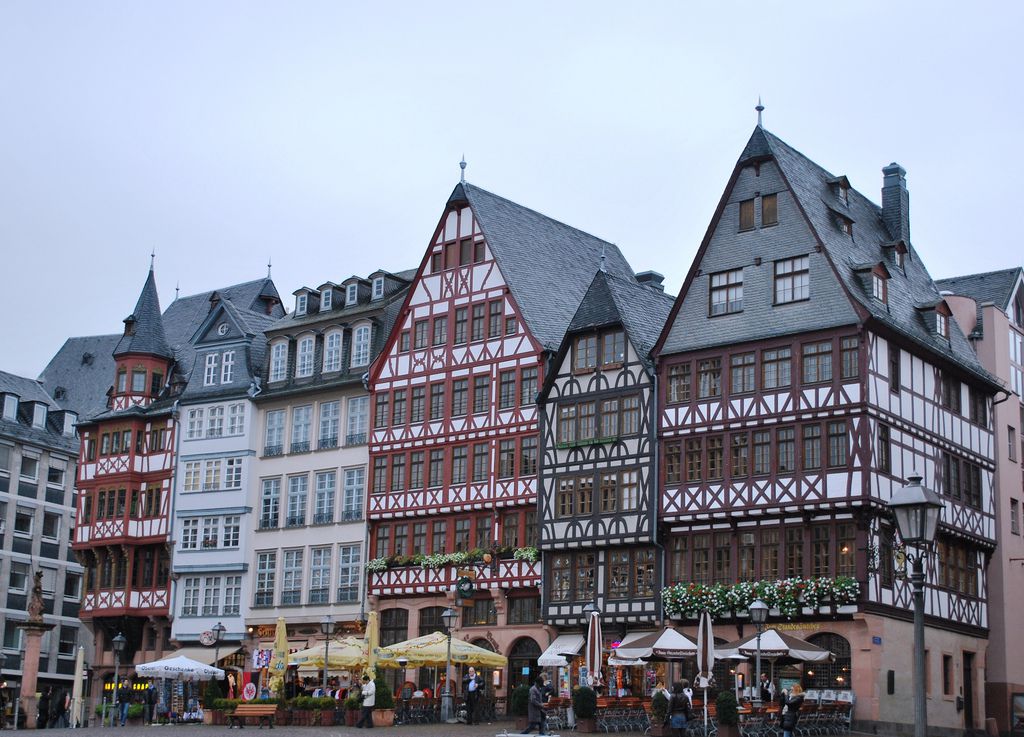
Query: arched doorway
[522,662]
[836,674]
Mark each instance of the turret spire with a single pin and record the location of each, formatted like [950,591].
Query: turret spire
[759,109]
[144,328]
[462,165]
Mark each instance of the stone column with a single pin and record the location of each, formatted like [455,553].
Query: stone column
[34,628]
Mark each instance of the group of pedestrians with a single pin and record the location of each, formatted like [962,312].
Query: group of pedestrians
[54,709]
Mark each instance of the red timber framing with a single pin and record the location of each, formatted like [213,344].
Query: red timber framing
[454,442]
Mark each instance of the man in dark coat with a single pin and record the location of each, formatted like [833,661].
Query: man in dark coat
[474,685]
[535,710]
[43,716]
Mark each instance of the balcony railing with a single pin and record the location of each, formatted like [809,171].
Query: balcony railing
[273,450]
[268,523]
[348,594]
[327,442]
[357,438]
[211,611]
[319,596]
[296,521]
[300,447]
[291,596]
[190,611]
[323,518]
[351,515]
[264,598]
[231,609]
[210,542]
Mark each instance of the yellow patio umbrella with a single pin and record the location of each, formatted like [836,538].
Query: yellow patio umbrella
[432,650]
[372,643]
[344,652]
[279,658]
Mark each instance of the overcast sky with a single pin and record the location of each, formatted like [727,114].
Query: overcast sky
[327,136]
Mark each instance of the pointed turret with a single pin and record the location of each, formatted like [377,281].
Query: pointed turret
[144,328]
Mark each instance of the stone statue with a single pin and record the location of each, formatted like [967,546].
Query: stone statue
[35,602]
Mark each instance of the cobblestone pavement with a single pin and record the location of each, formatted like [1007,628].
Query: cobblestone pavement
[410,730]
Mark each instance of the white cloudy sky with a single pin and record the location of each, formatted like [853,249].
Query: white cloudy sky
[327,135]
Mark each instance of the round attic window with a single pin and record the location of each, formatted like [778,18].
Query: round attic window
[222,329]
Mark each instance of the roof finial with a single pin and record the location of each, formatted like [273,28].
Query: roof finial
[759,109]
[462,165]
[269,261]
[152,259]
[602,268]
[177,290]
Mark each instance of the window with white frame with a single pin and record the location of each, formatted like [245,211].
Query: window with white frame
[301,300]
[72,586]
[215,423]
[191,480]
[227,367]
[274,444]
[232,531]
[358,415]
[233,473]
[266,578]
[279,361]
[726,295]
[361,346]
[302,419]
[330,418]
[351,294]
[67,645]
[211,596]
[378,287]
[291,577]
[30,467]
[319,576]
[18,580]
[355,488]
[211,532]
[51,525]
[5,459]
[326,298]
[24,519]
[792,280]
[332,351]
[57,471]
[323,505]
[349,572]
[941,325]
[236,418]
[190,597]
[270,503]
[210,375]
[190,534]
[298,492]
[211,475]
[195,424]
[232,594]
[304,357]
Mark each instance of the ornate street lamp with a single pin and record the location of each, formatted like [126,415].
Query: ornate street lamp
[448,616]
[917,510]
[326,628]
[119,643]
[758,616]
[218,632]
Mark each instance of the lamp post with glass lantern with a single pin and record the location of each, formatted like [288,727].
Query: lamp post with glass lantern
[448,616]
[119,643]
[326,629]
[758,615]
[917,510]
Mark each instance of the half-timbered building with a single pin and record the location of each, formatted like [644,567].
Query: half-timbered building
[454,450]
[808,369]
[126,467]
[598,502]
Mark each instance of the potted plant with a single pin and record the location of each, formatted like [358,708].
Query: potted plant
[584,706]
[728,717]
[519,706]
[352,705]
[384,704]
[659,715]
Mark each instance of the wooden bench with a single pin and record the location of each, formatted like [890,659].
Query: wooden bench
[262,711]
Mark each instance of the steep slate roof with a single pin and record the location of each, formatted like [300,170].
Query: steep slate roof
[991,286]
[908,289]
[543,261]
[28,390]
[641,310]
[49,436]
[148,333]
[84,369]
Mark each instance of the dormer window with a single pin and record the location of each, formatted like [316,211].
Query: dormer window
[843,193]
[10,407]
[941,325]
[138,381]
[351,294]
[300,304]
[378,287]
[210,374]
[122,381]
[39,415]
[879,286]
[326,299]
[845,224]
[278,361]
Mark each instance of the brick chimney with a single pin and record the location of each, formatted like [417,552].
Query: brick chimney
[896,202]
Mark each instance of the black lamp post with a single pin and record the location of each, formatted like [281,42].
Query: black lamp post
[448,616]
[119,643]
[917,510]
[326,628]
[758,615]
[218,632]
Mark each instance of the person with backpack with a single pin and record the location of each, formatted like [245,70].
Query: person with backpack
[791,710]
[678,709]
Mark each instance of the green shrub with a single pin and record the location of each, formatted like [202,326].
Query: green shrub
[384,699]
[212,692]
[659,708]
[520,703]
[584,702]
[135,711]
[726,703]
[352,702]
[226,704]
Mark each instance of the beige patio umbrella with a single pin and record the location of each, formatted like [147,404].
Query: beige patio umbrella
[343,652]
[432,650]
[76,690]
[372,643]
[279,658]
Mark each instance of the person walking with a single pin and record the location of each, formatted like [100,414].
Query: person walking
[791,710]
[58,709]
[368,693]
[535,709]
[124,700]
[43,715]
[474,685]
[678,709]
[150,699]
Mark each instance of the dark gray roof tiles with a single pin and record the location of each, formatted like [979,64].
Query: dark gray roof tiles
[991,286]
[907,288]
[81,372]
[31,390]
[544,262]
[27,390]
[147,333]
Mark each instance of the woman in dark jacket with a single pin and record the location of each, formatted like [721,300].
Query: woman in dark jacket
[678,709]
[793,702]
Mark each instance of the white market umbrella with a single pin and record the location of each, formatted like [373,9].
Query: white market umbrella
[179,667]
[669,644]
[775,645]
[594,646]
[76,690]
[705,658]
